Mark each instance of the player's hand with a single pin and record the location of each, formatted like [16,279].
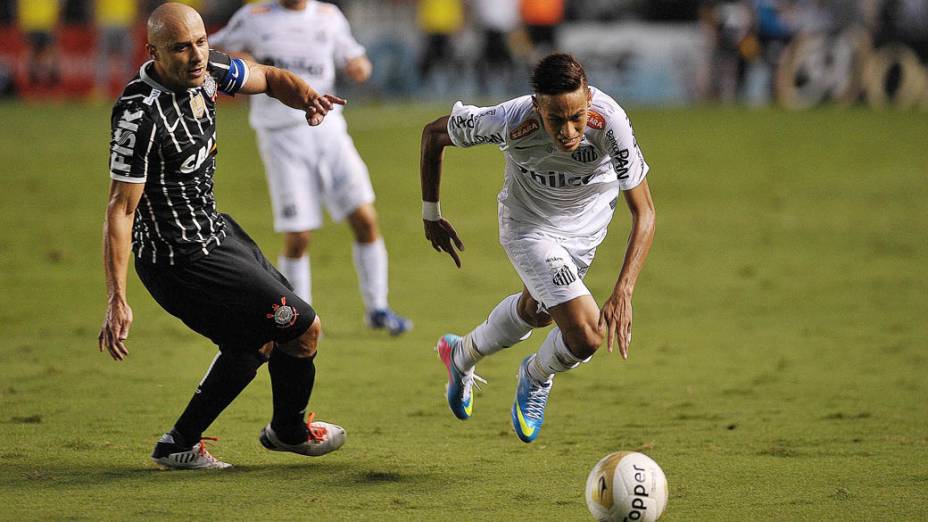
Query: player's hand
[319,106]
[444,238]
[616,318]
[115,329]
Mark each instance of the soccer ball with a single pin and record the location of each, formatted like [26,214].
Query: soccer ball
[626,486]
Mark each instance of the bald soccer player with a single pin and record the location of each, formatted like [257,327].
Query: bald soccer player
[197,263]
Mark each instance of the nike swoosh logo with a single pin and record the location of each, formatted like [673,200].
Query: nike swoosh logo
[235,72]
[522,148]
[526,429]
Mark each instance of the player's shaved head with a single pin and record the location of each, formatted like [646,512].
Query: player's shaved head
[178,45]
[169,19]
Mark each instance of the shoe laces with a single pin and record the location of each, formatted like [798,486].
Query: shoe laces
[537,399]
[204,453]
[316,433]
[470,380]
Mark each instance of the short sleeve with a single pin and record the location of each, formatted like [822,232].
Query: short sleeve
[627,160]
[469,125]
[346,47]
[131,143]
[230,73]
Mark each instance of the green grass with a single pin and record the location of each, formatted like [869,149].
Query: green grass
[778,370]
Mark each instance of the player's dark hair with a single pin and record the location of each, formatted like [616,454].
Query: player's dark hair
[558,73]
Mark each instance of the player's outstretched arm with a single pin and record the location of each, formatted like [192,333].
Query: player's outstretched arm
[437,229]
[117,243]
[616,314]
[291,90]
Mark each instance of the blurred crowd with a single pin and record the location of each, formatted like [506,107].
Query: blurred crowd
[87,48]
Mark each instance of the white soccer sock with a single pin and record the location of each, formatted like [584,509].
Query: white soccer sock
[370,262]
[297,271]
[502,329]
[552,357]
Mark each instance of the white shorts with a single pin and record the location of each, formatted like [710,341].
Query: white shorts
[308,167]
[551,267]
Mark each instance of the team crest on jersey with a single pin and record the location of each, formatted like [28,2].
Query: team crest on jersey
[526,129]
[596,120]
[198,106]
[585,154]
[209,86]
[284,315]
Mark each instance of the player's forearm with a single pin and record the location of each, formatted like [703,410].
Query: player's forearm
[117,244]
[636,251]
[434,140]
[287,87]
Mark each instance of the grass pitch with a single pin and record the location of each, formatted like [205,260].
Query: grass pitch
[778,370]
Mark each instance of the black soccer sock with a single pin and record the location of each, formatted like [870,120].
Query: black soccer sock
[229,374]
[292,381]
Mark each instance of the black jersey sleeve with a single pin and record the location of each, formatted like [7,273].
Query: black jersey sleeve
[230,73]
[132,142]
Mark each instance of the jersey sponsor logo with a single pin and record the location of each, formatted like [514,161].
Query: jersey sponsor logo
[557,179]
[284,315]
[596,120]
[585,154]
[564,276]
[194,161]
[496,138]
[152,96]
[124,141]
[464,122]
[619,156]
[526,129]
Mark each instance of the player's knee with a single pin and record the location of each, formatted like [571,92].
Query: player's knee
[305,345]
[528,312]
[583,340]
[364,224]
[296,243]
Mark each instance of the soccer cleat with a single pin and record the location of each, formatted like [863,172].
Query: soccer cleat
[528,408]
[386,319]
[322,438]
[459,389]
[169,455]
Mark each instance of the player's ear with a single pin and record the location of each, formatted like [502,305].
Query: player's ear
[151,50]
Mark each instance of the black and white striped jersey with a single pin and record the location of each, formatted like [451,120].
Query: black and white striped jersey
[167,140]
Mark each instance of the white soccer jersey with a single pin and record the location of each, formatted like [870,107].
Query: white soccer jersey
[310,43]
[565,193]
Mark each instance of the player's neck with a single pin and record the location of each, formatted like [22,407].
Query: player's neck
[294,6]
[158,75]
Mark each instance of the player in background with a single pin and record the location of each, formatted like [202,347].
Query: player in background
[198,264]
[308,167]
[569,152]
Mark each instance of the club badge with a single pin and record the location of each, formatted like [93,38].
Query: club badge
[284,315]
[209,86]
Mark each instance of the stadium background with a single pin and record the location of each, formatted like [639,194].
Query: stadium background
[779,357]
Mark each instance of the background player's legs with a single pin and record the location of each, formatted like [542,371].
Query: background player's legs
[227,376]
[510,322]
[370,257]
[294,263]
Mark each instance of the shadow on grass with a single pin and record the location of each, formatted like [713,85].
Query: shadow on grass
[334,475]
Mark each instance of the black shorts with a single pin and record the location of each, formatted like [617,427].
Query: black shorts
[234,296]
